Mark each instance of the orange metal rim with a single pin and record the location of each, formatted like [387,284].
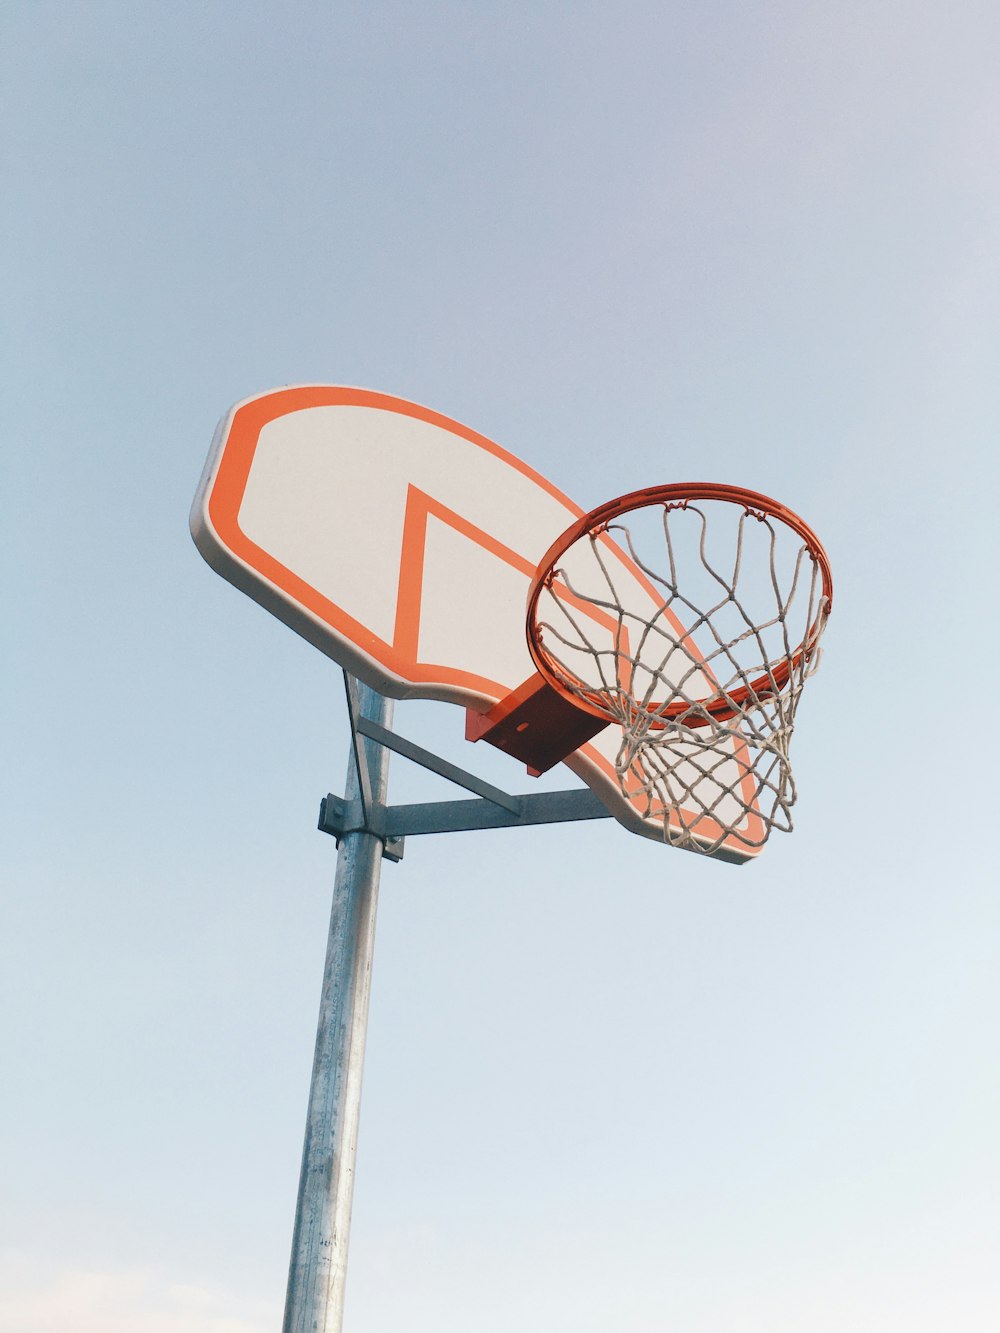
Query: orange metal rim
[756,505]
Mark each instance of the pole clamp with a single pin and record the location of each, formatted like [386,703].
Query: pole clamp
[339,817]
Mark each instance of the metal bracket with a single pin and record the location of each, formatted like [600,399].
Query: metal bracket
[339,816]
[393,848]
[394,822]
[493,808]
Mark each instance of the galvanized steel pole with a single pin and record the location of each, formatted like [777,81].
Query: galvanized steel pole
[318,1268]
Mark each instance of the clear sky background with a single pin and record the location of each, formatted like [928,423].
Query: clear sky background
[609,1086]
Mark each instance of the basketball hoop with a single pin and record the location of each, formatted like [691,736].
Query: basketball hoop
[693,628]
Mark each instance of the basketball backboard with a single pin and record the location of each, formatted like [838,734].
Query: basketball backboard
[402,545]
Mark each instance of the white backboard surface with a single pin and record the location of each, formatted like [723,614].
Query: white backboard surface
[398,542]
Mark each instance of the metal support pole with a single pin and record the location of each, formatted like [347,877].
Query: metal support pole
[318,1268]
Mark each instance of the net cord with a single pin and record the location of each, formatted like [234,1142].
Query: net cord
[712,768]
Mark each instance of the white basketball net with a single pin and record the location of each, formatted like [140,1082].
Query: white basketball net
[666,639]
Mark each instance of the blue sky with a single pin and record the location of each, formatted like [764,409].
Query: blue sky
[608,1085]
